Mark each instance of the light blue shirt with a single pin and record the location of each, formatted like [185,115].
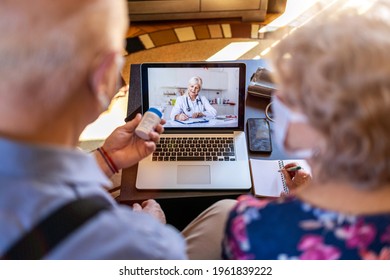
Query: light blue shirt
[35,180]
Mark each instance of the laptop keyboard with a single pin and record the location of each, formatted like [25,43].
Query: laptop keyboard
[195,149]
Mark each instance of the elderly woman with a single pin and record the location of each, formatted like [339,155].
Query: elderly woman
[191,105]
[332,108]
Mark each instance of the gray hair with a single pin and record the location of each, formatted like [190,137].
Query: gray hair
[196,81]
[337,72]
[48,46]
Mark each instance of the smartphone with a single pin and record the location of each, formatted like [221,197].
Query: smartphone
[259,135]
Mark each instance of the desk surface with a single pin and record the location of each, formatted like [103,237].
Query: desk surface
[254,108]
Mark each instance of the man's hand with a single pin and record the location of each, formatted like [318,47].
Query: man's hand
[125,148]
[151,207]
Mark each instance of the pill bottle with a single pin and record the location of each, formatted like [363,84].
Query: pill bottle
[151,118]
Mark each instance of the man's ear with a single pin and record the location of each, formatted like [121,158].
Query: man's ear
[102,78]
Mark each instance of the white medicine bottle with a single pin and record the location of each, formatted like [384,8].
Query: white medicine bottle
[151,118]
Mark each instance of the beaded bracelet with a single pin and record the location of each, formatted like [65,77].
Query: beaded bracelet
[108,160]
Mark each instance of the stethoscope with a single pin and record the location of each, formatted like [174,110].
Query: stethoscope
[198,99]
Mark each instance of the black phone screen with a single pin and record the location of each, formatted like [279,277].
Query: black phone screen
[259,136]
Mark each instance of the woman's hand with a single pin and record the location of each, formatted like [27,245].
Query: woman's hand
[125,148]
[197,115]
[295,179]
[181,117]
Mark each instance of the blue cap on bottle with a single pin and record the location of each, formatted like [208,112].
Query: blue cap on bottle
[156,111]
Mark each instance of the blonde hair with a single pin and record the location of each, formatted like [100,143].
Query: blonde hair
[337,71]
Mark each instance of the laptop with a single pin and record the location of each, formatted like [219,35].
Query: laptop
[207,148]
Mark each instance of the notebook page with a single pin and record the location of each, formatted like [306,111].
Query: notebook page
[267,181]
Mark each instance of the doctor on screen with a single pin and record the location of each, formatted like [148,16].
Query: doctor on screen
[191,105]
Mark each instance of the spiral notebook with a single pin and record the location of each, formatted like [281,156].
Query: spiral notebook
[266,178]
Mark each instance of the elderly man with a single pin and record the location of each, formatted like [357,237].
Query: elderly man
[59,68]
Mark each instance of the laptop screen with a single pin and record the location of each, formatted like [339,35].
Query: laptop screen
[196,95]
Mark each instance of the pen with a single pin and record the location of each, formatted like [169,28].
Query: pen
[294,168]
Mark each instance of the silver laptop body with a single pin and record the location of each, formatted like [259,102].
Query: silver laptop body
[207,153]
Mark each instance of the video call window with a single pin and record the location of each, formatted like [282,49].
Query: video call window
[196,96]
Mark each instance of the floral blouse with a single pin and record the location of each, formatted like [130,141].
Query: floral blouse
[291,229]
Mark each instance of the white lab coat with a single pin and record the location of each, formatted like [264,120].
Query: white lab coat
[199,105]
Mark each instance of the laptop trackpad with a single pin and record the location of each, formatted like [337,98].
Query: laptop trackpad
[193,174]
